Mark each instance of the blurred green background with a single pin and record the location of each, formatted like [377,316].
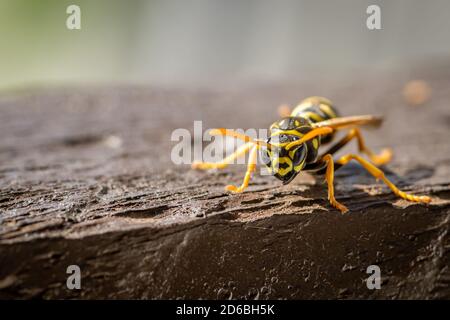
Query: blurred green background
[193,42]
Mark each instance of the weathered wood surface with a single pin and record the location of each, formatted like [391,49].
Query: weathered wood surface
[86,179]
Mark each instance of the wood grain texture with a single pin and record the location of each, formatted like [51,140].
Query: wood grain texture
[86,179]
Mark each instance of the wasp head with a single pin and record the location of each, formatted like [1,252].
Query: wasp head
[281,162]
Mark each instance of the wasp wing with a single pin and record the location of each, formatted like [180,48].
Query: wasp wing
[349,122]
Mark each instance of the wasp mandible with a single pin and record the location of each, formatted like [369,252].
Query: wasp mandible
[294,142]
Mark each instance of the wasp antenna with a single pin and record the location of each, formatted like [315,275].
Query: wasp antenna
[234,134]
[310,135]
[230,133]
[262,143]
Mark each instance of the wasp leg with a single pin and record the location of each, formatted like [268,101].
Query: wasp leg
[284,111]
[251,166]
[378,159]
[329,177]
[225,162]
[378,174]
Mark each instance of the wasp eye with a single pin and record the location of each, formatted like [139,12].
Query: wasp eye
[265,158]
[299,155]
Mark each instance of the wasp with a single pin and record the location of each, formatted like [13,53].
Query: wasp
[294,142]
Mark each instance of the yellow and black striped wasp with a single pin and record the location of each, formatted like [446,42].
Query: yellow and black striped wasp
[294,143]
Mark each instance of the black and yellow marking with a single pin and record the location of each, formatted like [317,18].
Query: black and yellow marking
[294,143]
[315,110]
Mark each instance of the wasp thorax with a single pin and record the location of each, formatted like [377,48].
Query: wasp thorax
[289,123]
